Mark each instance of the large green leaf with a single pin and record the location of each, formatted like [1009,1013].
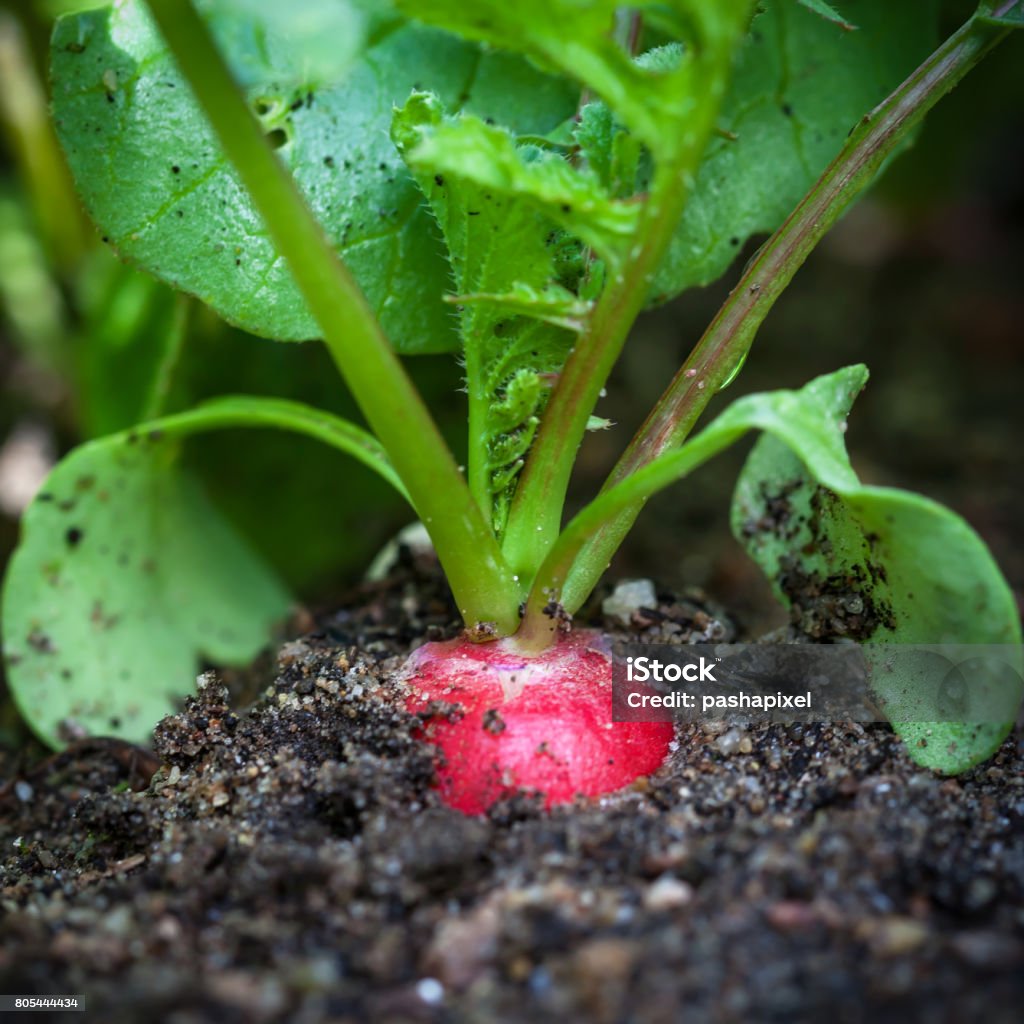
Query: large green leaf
[125,578]
[881,566]
[158,186]
[127,575]
[800,84]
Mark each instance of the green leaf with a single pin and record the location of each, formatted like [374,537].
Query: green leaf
[488,157]
[578,40]
[125,579]
[800,84]
[610,152]
[552,303]
[499,207]
[158,186]
[127,576]
[876,564]
[800,509]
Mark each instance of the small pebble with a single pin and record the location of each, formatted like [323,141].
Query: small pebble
[729,742]
[628,597]
[667,893]
[430,990]
[896,936]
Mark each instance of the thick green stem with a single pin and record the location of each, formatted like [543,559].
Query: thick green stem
[466,547]
[728,338]
[536,514]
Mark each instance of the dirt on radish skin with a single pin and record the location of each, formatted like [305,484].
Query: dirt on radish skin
[505,722]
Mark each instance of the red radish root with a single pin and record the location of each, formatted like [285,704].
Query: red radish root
[540,723]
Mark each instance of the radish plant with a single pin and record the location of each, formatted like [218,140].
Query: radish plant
[514,184]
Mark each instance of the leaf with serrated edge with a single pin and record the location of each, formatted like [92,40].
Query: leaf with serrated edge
[495,212]
[488,157]
[157,184]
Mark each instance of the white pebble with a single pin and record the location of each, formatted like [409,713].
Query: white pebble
[667,893]
[629,596]
[430,990]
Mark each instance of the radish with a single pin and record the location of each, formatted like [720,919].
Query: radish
[506,721]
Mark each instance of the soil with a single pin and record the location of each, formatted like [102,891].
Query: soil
[292,863]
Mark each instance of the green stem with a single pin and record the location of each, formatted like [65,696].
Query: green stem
[466,547]
[254,411]
[536,513]
[728,338]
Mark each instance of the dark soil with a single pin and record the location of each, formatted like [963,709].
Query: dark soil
[292,863]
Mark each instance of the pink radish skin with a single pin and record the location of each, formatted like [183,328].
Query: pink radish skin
[537,723]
